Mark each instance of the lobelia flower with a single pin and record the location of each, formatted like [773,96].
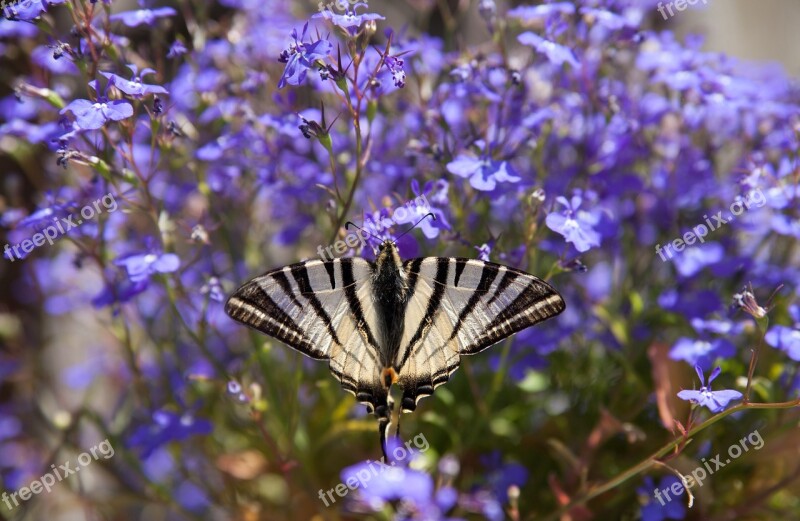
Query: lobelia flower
[142,16]
[167,426]
[141,266]
[694,258]
[786,339]
[92,115]
[500,476]
[26,10]
[539,13]
[395,66]
[176,49]
[134,87]
[390,484]
[716,401]
[701,353]
[656,509]
[483,173]
[349,21]
[299,57]
[577,226]
[556,54]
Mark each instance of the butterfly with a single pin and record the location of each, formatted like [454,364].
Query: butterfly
[392,321]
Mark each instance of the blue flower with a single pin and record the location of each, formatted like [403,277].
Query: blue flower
[386,484]
[701,352]
[483,173]
[300,57]
[577,226]
[716,401]
[539,13]
[167,426]
[176,49]
[143,16]
[502,475]
[556,54]
[694,258]
[395,66]
[786,339]
[26,9]
[658,507]
[91,115]
[134,87]
[141,265]
[349,21]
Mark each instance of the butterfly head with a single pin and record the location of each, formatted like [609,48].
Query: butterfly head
[388,254]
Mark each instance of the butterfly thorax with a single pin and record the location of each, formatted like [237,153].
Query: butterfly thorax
[390,293]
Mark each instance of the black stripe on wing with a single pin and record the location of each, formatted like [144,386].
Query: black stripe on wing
[434,304]
[348,279]
[300,274]
[537,302]
[253,306]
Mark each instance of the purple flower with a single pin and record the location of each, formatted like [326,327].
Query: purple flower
[502,475]
[577,226]
[537,13]
[299,57]
[694,258]
[142,16]
[716,401]
[658,507]
[389,483]
[91,115]
[349,21]
[483,173]
[50,60]
[167,426]
[423,204]
[557,54]
[176,49]
[786,339]
[26,9]
[119,293]
[395,66]
[607,19]
[701,352]
[134,87]
[141,265]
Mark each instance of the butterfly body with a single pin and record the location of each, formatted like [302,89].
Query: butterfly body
[392,321]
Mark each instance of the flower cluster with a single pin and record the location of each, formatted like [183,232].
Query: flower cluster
[238,136]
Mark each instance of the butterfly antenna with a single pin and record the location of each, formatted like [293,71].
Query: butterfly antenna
[347,226]
[429,214]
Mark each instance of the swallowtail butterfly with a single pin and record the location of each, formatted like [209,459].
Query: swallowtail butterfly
[393,321]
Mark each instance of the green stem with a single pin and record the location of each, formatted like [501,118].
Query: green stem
[663,451]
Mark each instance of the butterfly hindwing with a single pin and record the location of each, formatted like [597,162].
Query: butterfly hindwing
[320,308]
[460,307]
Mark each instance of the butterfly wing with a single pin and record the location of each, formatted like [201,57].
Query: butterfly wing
[460,307]
[322,309]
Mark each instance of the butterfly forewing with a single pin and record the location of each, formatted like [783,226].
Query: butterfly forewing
[462,306]
[320,308]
